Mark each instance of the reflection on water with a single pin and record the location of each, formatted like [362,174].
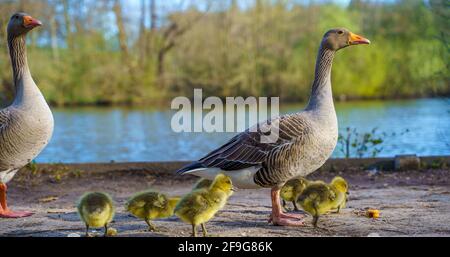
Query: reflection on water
[97,134]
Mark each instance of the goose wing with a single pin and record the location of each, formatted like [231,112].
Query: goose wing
[248,148]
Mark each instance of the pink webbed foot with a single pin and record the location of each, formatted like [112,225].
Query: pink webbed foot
[278,221]
[284,219]
[279,218]
[5,212]
[14,214]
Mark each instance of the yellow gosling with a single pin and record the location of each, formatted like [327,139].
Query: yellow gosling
[200,205]
[291,190]
[150,205]
[319,198]
[342,193]
[96,210]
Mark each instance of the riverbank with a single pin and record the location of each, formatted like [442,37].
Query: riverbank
[412,202]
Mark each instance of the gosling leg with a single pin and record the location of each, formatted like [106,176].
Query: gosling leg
[295,206]
[106,230]
[194,230]
[204,230]
[284,204]
[87,230]
[315,220]
[151,227]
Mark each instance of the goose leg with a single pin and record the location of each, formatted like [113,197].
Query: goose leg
[278,217]
[5,212]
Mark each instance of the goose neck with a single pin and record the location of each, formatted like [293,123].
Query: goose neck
[18,55]
[321,93]
[23,82]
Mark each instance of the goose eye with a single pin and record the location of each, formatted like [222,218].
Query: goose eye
[340,32]
[16,17]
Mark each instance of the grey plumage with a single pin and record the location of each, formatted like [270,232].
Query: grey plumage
[306,139]
[26,126]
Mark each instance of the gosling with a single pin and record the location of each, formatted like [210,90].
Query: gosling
[319,198]
[150,205]
[342,196]
[96,210]
[200,205]
[291,190]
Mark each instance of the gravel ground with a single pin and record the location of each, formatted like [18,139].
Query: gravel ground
[412,203]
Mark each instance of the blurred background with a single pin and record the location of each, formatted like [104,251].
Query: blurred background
[110,68]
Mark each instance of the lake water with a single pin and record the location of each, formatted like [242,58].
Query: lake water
[97,134]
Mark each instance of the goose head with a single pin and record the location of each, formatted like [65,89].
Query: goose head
[21,23]
[336,39]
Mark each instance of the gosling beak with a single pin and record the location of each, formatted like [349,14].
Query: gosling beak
[233,189]
[347,192]
[358,40]
[30,22]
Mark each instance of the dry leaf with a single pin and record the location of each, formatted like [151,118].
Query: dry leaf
[373,213]
[112,232]
[48,199]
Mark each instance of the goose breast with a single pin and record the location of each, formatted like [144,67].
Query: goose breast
[24,133]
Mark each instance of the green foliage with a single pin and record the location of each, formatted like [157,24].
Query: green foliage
[33,167]
[268,49]
[369,144]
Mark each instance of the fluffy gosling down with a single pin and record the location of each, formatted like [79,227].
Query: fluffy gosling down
[150,205]
[202,183]
[342,196]
[292,189]
[200,205]
[96,210]
[319,198]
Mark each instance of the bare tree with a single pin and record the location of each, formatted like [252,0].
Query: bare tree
[117,8]
[123,44]
[170,35]
[53,29]
[68,24]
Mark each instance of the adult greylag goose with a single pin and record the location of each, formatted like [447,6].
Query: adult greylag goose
[26,126]
[305,141]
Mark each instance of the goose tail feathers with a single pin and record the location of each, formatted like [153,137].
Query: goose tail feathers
[190,168]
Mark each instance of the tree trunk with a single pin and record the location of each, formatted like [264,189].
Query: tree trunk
[123,44]
[53,35]
[68,25]
[121,29]
[142,37]
[153,15]
[150,35]
[160,70]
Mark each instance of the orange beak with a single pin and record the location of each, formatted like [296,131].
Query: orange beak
[30,22]
[358,40]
